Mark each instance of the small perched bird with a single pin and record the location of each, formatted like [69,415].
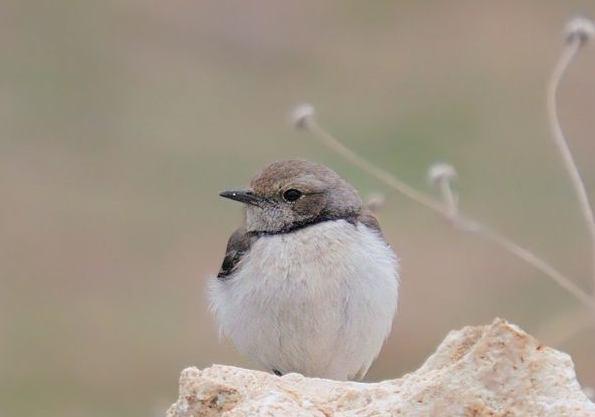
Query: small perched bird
[308,283]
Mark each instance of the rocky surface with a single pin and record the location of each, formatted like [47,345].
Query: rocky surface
[496,370]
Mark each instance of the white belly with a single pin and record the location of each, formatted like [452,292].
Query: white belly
[319,301]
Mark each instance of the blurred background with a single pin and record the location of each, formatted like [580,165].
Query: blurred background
[122,120]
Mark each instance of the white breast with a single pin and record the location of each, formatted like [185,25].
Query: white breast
[319,301]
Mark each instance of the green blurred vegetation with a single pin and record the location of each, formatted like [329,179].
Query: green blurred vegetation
[120,122]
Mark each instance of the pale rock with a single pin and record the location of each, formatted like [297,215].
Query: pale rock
[496,370]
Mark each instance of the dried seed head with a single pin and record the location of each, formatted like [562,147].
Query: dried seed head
[579,28]
[440,172]
[301,114]
[375,202]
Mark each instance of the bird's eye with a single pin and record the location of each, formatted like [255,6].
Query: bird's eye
[292,194]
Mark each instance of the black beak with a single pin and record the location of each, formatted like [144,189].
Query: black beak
[244,196]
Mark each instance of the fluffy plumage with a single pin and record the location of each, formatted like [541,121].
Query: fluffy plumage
[314,289]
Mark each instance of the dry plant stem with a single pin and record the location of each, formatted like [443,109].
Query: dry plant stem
[569,52]
[370,168]
[449,197]
[464,223]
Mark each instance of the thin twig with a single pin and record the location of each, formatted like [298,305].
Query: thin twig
[573,45]
[448,197]
[441,175]
[367,166]
[467,224]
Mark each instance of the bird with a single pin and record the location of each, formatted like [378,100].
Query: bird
[308,283]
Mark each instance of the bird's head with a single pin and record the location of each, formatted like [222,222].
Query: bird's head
[287,195]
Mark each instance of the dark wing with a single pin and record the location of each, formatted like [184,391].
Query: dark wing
[238,245]
[368,219]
